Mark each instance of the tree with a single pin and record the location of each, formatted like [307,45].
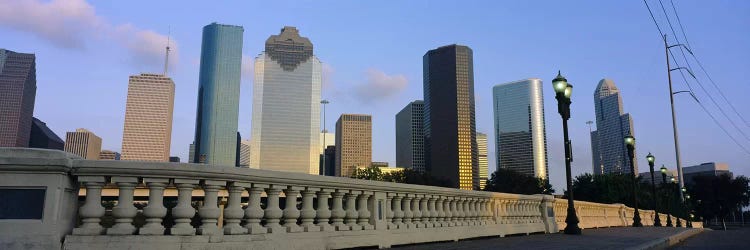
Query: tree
[372,173]
[718,196]
[509,181]
[613,188]
[408,176]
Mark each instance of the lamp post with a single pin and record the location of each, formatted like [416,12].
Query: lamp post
[688,211]
[563,90]
[663,184]
[674,181]
[630,143]
[650,158]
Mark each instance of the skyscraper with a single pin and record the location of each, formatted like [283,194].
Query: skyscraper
[109,155]
[245,153]
[17,94]
[218,95]
[191,153]
[482,158]
[353,143]
[83,143]
[520,136]
[410,136]
[326,139]
[612,125]
[43,137]
[449,126]
[286,105]
[147,133]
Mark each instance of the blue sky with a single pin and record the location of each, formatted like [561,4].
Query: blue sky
[372,51]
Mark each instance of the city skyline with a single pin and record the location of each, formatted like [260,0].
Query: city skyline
[644,79]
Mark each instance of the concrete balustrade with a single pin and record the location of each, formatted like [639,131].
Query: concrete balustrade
[276,210]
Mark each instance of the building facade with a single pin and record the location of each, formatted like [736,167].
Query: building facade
[410,136]
[520,135]
[17,94]
[705,169]
[482,158]
[449,119]
[109,155]
[329,161]
[83,143]
[245,153]
[147,133]
[286,105]
[353,143]
[218,95]
[612,125]
[43,137]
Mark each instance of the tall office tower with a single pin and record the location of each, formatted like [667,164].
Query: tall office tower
[43,137]
[17,93]
[410,136]
[482,158]
[191,153]
[520,136]
[109,155]
[147,133]
[353,143]
[286,105]
[83,143]
[218,95]
[330,161]
[612,125]
[244,153]
[449,126]
[326,139]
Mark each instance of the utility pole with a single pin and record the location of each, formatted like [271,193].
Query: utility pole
[674,121]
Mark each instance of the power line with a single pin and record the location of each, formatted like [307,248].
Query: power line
[684,35]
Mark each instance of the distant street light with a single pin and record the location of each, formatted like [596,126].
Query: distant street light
[669,193]
[650,158]
[563,91]
[630,143]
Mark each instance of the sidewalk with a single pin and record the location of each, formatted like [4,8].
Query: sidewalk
[603,238]
[732,238]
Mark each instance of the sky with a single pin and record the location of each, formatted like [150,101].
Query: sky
[372,55]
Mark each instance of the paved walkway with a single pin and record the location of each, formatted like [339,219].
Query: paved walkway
[603,238]
[733,238]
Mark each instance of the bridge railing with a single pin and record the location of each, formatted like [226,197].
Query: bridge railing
[266,209]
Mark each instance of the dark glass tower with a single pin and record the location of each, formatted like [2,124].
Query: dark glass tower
[17,94]
[449,127]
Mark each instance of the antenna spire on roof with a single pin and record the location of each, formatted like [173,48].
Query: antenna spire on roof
[166,57]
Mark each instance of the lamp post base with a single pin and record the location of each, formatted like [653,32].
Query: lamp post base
[637,220]
[571,222]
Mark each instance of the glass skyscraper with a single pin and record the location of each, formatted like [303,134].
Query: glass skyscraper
[218,95]
[410,136]
[520,136]
[286,105]
[612,125]
[449,125]
[17,94]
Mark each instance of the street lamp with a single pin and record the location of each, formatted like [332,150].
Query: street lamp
[679,223]
[563,91]
[650,158]
[669,193]
[630,143]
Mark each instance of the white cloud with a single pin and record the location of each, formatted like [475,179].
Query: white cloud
[380,85]
[72,23]
[327,74]
[248,67]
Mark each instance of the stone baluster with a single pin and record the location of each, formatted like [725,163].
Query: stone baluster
[338,213]
[92,211]
[184,211]
[210,211]
[446,222]
[253,212]
[155,210]
[291,213]
[351,210]
[273,213]
[481,213]
[323,213]
[425,212]
[307,214]
[454,213]
[474,211]
[406,206]
[364,213]
[459,212]
[432,220]
[233,211]
[398,214]
[471,213]
[389,210]
[439,207]
[416,211]
[124,211]
[502,213]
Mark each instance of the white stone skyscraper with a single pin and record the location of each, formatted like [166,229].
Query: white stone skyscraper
[482,156]
[520,135]
[147,133]
[286,105]
[612,125]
